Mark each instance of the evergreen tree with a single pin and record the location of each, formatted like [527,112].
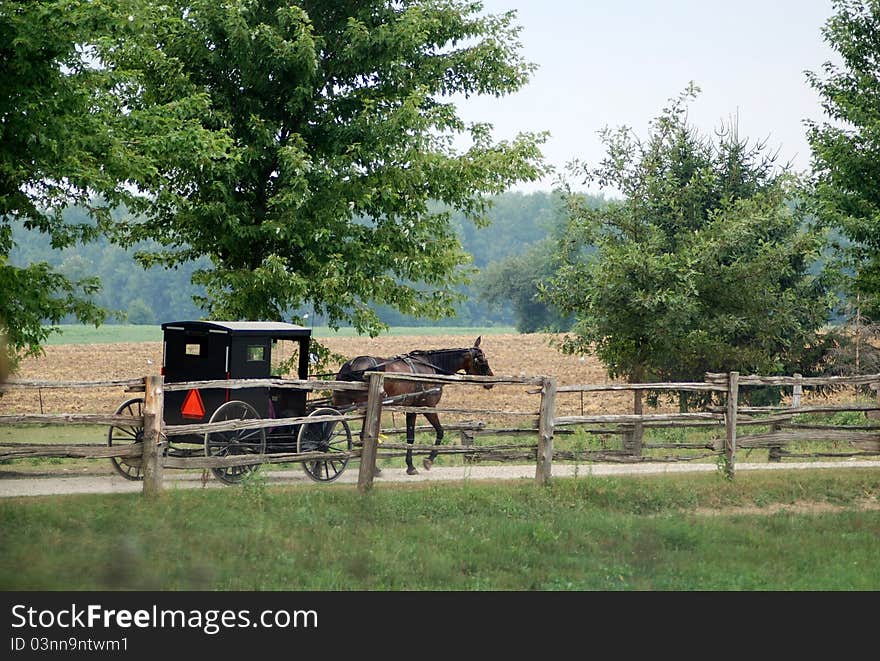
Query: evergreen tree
[846,149]
[700,266]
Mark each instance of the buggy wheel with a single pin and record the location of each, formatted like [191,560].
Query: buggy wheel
[235,442]
[128,467]
[327,436]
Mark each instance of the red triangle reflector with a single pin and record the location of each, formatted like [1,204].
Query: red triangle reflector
[193,406]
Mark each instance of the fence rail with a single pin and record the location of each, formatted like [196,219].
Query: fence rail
[849,440]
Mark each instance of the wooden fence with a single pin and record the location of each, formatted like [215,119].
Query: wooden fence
[784,431]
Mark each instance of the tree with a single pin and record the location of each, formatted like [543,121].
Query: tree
[516,270]
[67,137]
[344,130]
[846,150]
[702,265]
[516,281]
[140,313]
[857,344]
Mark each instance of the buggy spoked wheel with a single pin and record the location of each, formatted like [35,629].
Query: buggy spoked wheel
[235,442]
[324,436]
[118,435]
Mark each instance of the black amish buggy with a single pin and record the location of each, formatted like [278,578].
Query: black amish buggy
[222,350]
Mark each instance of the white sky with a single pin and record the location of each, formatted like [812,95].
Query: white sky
[618,62]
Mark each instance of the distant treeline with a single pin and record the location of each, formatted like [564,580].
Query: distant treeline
[519,222]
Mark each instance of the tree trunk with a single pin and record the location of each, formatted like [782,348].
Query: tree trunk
[632,438]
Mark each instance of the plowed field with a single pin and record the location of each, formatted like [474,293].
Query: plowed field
[516,355]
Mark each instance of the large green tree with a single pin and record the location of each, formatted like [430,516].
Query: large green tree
[345,128]
[68,136]
[699,265]
[846,146]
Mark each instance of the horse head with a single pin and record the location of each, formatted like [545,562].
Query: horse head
[479,364]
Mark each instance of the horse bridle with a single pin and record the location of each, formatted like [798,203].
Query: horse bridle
[478,358]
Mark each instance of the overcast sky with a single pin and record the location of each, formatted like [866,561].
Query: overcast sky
[618,62]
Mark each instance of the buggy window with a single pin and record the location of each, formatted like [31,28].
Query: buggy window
[193,349]
[256,353]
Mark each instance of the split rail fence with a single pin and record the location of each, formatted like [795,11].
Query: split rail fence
[730,422]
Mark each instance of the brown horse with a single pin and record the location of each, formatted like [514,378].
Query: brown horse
[470,360]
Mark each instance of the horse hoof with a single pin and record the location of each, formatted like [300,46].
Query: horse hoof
[412,471]
[427,463]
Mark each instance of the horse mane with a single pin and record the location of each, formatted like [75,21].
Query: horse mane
[446,360]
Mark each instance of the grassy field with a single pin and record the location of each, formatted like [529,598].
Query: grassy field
[780,530]
[77,334]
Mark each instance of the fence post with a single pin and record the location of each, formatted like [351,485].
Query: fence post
[797,391]
[546,423]
[774,453]
[372,423]
[467,440]
[874,415]
[153,443]
[730,422]
[638,428]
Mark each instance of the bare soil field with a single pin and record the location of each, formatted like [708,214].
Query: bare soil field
[508,354]
[512,355]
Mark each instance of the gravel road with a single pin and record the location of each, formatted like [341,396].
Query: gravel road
[50,485]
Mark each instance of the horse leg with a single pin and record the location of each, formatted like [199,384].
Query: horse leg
[410,439]
[434,419]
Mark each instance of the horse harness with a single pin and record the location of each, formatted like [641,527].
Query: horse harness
[410,361]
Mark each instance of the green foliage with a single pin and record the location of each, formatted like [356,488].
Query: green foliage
[68,136]
[141,314]
[34,295]
[284,153]
[722,465]
[516,281]
[253,491]
[846,149]
[518,221]
[343,123]
[701,266]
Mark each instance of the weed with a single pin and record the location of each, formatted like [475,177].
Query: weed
[254,490]
[723,467]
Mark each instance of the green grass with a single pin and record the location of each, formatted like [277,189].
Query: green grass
[596,533]
[77,334]
[55,435]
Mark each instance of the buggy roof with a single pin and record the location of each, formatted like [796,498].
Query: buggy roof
[274,329]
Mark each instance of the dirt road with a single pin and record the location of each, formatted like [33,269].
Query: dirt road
[50,485]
